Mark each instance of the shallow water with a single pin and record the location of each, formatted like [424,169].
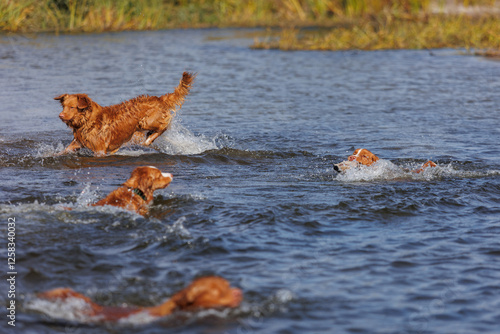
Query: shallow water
[255,198]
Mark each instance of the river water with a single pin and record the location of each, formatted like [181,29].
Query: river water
[255,198]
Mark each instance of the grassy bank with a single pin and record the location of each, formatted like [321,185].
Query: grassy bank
[346,24]
[433,31]
[105,15]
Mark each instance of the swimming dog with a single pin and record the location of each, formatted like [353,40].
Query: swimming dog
[364,157]
[202,293]
[137,192]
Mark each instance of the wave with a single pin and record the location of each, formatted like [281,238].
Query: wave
[384,170]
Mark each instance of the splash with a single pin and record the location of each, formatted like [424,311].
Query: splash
[384,170]
[179,229]
[140,318]
[87,195]
[179,140]
[44,150]
[276,302]
[71,309]
[77,310]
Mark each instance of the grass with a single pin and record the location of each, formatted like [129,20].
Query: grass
[347,24]
[435,31]
[105,15]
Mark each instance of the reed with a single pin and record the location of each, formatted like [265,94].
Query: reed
[95,15]
[434,31]
[352,24]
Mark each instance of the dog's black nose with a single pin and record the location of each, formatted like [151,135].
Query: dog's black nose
[336,168]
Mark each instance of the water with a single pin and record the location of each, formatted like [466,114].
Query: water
[255,198]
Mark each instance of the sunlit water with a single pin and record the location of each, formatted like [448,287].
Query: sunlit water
[255,198]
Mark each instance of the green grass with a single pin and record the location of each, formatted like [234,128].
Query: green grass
[435,31]
[96,15]
[346,24]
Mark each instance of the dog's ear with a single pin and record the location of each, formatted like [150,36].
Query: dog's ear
[133,181]
[83,101]
[140,178]
[61,97]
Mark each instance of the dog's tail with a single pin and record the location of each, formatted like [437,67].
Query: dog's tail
[176,99]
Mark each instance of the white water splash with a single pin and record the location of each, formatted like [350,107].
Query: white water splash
[70,309]
[380,170]
[140,318]
[77,310]
[276,302]
[87,196]
[179,229]
[179,140]
[384,170]
[48,150]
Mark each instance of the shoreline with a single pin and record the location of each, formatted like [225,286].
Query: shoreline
[354,25]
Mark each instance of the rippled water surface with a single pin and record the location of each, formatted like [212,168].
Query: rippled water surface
[255,198]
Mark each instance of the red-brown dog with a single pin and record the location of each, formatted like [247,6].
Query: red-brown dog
[137,192]
[105,129]
[206,292]
[364,157]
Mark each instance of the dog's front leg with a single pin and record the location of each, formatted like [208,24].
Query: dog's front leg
[74,146]
[151,138]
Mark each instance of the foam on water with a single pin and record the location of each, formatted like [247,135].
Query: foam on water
[384,170]
[24,207]
[276,302]
[180,140]
[76,310]
[141,318]
[70,309]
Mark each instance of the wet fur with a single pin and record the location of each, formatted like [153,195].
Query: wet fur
[147,180]
[105,129]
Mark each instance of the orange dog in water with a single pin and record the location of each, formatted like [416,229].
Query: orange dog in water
[364,157]
[137,192]
[105,129]
[207,292]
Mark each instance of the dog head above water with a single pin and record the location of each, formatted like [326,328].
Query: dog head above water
[208,292]
[360,156]
[76,109]
[363,156]
[148,179]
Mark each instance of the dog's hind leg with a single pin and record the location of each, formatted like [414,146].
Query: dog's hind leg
[153,127]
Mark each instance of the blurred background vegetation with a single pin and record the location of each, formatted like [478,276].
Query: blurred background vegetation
[345,24]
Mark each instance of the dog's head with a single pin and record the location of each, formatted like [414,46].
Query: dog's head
[76,109]
[208,292]
[148,179]
[360,156]
[363,156]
